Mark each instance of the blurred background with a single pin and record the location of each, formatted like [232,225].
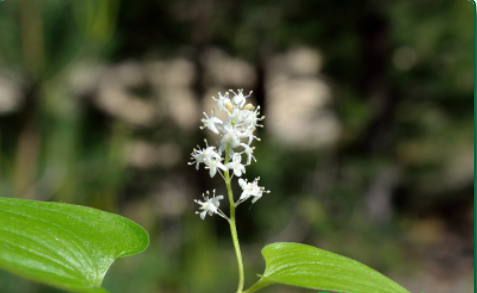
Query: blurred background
[367,146]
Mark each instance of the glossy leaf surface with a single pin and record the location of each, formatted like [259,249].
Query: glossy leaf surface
[310,267]
[66,246]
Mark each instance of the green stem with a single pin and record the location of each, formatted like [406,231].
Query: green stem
[233,228]
[260,284]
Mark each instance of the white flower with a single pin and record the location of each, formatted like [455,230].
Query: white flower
[248,189]
[249,151]
[239,98]
[251,189]
[251,118]
[232,135]
[235,116]
[222,101]
[249,133]
[198,158]
[236,165]
[213,165]
[223,147]
[210,206]
[209,153]
[201,156]
[210,122]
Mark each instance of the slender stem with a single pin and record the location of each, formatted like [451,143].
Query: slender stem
[260,284]
[233,228]
[238,253]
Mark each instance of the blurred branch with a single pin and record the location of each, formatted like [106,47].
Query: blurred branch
[32,37]
[374,33]
[28,143]
[33,60]
[200,37]
[100,20]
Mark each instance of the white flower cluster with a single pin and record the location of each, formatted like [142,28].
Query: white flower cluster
[210,206]
[236,138]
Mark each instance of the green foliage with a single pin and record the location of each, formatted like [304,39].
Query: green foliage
[306,266]
[67,246]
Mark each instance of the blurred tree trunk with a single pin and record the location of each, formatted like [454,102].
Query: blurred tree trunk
[374,33]
[201,34]
[32,37]
[33,60]
[200,38]
[377,139]
[26,159]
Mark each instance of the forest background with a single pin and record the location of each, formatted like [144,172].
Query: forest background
[367,146]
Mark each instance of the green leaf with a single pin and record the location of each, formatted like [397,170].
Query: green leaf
[306,266]
[67,246]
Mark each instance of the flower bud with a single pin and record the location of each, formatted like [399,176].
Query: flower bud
[248,107]
[229,106]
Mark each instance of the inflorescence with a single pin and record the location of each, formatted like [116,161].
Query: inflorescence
[236,134]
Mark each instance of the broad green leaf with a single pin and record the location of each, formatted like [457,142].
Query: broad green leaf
[67,246]
[306,266]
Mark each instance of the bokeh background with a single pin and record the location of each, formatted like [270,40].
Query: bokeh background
[367,146]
